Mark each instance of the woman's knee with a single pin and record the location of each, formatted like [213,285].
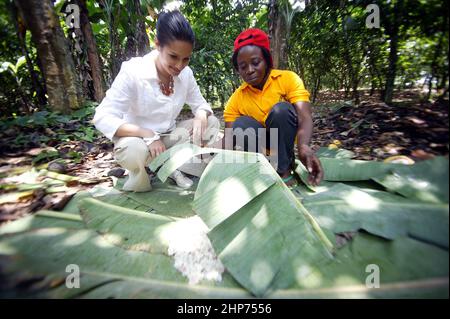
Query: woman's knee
[282,113]
[131,152]
[213,122]
[283,109]
[244,122]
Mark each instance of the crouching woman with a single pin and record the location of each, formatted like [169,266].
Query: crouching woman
[140,109]
[269,102]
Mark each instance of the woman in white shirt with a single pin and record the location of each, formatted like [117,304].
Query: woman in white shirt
[140,109]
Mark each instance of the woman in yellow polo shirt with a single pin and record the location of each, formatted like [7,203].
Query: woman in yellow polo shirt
[270,103]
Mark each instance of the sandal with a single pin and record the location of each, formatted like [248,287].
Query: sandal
[289,181]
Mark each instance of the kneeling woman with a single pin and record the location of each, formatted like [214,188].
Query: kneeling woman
[270,100]
[140,109]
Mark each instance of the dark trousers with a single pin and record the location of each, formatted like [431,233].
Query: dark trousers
[278,135]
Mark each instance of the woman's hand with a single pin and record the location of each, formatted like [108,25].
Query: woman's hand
[312,164]
[199,127]
[155,148]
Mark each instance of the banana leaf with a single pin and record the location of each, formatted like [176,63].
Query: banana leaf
[409,269]
[126,228]
[270,244]
[175,157]
[244,188]
[303,173]
[43,219]
[164,199]
[253,231]
[85,248]
[340,170]
[425,181]
[344,208]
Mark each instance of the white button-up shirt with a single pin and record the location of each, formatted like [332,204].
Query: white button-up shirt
[135,98]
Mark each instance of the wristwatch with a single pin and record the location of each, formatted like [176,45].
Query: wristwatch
[150,140]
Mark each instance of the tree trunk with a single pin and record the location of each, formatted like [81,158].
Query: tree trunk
[434,63]
[116,50]
[392,30]
[390,78]
[277,35]
[92,52]
[353,74]
[434,66]
[143,44]
[443,81]
[58,68]
[352,71]
[375,81]
[316,89]
[112,11]
[21,30]
[80,60]
[137,40]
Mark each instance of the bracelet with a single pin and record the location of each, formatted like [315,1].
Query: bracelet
[150,140]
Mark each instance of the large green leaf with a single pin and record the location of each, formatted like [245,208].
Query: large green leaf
[123,273]
[303,173]
[127,228]
[425,181]
[340,170]
[255,253]
[345,208]
[269,243]
[138,288]
[408,269]
[101,285]
[258,241]
[50,250]
[244,187]
[164,199]
[43,219]
[261,226]
[175,157]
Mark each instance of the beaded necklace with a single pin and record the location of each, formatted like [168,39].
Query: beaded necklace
[166,89]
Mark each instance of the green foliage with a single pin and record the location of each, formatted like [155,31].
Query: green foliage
[42,127]
[118,239]
[37,120]
[331,47]
[328,44]
[45,156]
[9,43]
[216,25]
[16,92]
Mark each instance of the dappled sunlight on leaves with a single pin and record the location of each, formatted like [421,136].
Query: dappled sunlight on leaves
[261,274]
[265,248]
[76,239]
[361,200]
[7,249]
[308,277]
[49,232]
[262,221]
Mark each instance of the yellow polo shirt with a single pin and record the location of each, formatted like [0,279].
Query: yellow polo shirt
[281,85]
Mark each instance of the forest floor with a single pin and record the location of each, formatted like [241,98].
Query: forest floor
[372,130]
